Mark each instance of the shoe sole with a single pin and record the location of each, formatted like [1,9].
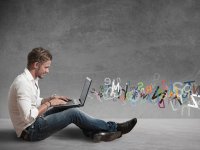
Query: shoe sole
[106,136]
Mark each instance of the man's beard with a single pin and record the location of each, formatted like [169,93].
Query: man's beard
[41,76]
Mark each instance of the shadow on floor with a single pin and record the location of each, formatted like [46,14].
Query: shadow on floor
[8,135]
[75,134]
[71,134]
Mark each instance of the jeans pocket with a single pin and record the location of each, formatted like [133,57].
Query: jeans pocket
[40,130]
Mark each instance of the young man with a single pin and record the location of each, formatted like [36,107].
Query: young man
[34,120]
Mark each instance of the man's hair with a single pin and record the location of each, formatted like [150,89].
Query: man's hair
[40,55]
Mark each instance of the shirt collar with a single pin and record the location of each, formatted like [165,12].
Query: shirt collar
[29,75]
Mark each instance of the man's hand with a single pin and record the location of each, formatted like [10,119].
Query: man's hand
[57,101]
[52,101]
[64,98]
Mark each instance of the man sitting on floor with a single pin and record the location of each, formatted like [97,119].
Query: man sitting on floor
[34,120]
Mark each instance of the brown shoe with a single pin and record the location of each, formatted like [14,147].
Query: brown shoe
[126,126]
[106,136]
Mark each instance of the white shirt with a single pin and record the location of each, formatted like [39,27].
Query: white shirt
[24,100]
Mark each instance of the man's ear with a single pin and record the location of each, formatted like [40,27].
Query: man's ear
[36,65]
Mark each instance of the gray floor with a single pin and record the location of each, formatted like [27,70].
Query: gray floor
[172,134]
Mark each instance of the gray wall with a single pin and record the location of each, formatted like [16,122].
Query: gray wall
[130,39]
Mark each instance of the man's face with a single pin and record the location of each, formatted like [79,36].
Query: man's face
[43,69]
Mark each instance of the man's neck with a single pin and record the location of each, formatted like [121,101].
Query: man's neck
[32,71]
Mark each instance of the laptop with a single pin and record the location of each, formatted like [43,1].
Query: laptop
[81,101]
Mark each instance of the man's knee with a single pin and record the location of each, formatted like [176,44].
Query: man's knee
[73,111]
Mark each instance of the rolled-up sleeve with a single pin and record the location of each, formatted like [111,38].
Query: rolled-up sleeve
[39,101]
[26,103]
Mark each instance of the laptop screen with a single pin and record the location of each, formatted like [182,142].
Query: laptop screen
[85,90]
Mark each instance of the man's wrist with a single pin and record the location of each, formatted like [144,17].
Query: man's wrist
[49,103]
[50,98]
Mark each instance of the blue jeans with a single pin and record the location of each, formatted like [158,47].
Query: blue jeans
[56,119]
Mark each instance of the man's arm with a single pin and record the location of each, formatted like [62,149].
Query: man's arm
[49,103]
[43,107]
[44,100]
